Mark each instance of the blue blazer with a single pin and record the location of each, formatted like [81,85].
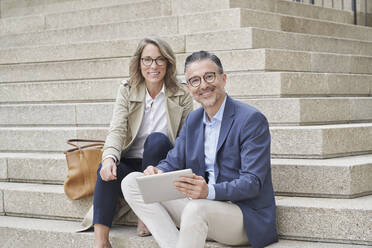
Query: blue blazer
[242,170]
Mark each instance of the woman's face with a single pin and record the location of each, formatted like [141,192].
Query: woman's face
[153,65]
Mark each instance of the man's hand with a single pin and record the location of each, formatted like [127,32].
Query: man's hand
[108,170]
[151,170]
[194,187]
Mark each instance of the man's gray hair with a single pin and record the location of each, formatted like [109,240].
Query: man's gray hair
[202,55]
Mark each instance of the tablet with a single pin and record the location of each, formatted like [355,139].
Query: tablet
[159,187]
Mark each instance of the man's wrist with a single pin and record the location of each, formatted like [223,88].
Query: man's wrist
[211,192]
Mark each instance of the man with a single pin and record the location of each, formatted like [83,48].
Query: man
[226,143]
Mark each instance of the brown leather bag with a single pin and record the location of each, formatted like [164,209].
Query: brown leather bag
[82,164]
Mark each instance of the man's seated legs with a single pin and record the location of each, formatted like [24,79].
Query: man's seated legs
[216,220]
[198,219]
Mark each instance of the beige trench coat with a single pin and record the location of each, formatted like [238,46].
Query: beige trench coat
[125,124]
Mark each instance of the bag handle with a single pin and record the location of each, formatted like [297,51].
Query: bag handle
[98,143]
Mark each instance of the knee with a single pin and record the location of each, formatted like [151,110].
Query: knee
[195,209]
[157,141]
[129,183]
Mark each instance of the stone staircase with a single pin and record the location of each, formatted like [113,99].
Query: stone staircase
[307,68]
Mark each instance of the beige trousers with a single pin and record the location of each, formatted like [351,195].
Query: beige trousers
[197,219]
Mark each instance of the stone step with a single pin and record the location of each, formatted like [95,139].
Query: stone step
[85,50]
[233,61]
[241,38]
[317,219]
[46,139]
[13,8]
[40,200]
[33,167]
[245,38]
[127,29]
[154,8]
[94,16]
[346,177]
[237,18]
[279,111]
[249,85]
[22,232]
[323,141]
[283,7]
[169,25]
[340,220]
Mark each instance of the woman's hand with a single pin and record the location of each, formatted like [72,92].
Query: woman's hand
[108,169]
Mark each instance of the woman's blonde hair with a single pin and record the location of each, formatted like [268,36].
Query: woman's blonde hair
[135,75]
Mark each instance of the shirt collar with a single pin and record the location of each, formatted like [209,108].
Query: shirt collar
[218,116]
[149,98]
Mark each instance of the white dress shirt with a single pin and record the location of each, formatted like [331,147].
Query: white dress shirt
[211,135]
[154,120]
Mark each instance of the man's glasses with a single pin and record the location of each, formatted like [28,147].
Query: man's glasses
[160,61]
[208,77]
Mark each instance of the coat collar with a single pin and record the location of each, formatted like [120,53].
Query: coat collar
[137,108]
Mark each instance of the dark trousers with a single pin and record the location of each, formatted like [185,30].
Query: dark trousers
[106,194]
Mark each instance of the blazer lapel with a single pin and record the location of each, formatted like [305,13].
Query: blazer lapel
[227,121]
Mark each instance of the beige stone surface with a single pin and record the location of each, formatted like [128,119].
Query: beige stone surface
[344,177]
[123,30]
[180,7]
[244,38]
[42,200]
[314,12]
[320,219]
[3,169]
[95,16]
[82,50]
[321,141]
[312,26]
[37,114]
[101,68]
[35,167]
[325,84]
[1,203]
[99,113]
[222,19]
[251,84]
[279,111]
[282,7]
[20,25]
[51,139]
[341,63]
[28,7]
[95,89]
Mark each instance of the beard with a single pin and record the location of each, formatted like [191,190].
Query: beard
[210,101]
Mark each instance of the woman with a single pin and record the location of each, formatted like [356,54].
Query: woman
[149,112]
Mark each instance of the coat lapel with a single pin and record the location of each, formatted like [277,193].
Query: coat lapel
[173,107]
[136,108]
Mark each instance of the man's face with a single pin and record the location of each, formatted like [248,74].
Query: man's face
[208,94]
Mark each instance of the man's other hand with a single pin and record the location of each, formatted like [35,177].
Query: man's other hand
[194,187]
[151,170]
[108,170]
